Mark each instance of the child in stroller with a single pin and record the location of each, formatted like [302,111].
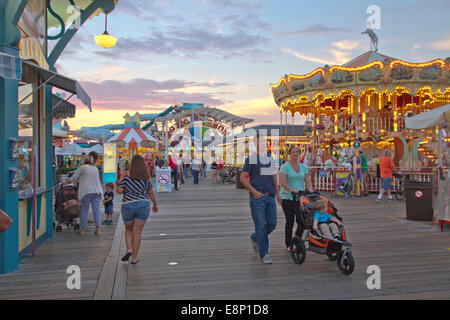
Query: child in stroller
[67,206]
[327,224]
[312,239]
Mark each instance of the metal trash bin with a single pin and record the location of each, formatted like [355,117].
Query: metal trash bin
[419,201]
[239,185]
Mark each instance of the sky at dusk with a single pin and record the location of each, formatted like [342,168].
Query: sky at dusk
[226,53]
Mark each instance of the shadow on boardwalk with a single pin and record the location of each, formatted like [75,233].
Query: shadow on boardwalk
[205,230]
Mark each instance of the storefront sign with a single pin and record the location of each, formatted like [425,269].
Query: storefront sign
[148,144]
[109,162]
[210,123]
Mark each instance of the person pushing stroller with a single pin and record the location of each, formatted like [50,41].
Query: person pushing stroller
[328,225]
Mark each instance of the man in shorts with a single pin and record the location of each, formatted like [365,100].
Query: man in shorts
[387,167]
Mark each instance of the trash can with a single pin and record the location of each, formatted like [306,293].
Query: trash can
[419,201]
[239,185]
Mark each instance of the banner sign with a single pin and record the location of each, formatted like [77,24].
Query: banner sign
[163,180]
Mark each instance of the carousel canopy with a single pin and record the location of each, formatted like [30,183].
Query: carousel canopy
[370,71]
[429,119]
[133,137]
[367,58]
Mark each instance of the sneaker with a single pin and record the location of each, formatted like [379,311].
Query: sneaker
[266,259]
[336,235]
[110,222]
[254,246]
[105,222]
[390,199]
[379,200]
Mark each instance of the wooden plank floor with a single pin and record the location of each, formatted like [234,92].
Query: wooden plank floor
[44,276]
[205,229]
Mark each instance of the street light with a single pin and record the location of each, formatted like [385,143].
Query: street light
[106,40]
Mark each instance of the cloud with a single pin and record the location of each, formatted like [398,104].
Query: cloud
[247,6]
[443,45]
[340,56]
[192,43]
[308,58]
[347,44]
[315,30]
[263,110]
[138,93]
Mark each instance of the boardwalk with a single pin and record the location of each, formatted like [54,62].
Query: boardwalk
[205,230]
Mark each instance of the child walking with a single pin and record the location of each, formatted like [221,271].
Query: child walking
[108,202]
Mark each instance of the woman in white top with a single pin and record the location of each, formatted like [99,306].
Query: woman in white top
[90,191]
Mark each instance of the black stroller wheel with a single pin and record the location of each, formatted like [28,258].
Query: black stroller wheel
[400,195]
[346,263]
[298,250]
[333,255]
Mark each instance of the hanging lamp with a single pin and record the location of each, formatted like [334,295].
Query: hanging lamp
[106,40]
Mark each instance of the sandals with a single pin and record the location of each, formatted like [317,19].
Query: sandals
[126,256]
[135,262]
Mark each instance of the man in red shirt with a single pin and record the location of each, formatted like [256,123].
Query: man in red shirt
[387,167]
[173,163]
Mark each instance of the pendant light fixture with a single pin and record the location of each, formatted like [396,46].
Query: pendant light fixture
[106,40]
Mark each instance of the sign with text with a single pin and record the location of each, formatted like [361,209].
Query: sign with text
[109,162]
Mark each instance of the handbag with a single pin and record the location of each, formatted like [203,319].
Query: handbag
[5,221]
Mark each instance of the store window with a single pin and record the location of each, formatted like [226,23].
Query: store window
[28,137]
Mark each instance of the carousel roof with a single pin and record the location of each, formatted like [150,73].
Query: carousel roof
[134,136]
[367,58]
[369,71]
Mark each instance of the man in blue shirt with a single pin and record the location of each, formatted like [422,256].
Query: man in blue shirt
[263,188]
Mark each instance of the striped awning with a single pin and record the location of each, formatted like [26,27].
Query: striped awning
[134,138]
[64,109]
[56,80]
[10,67]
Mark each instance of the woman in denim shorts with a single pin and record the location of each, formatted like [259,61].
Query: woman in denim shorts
[137,193]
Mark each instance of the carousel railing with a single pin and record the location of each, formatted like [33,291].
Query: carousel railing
[326,179]
[384,122]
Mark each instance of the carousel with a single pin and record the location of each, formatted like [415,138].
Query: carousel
[367,101]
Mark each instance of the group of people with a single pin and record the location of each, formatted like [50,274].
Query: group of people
[196,168]
[137,192]
[259,177]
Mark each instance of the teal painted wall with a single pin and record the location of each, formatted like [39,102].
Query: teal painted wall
[9,202]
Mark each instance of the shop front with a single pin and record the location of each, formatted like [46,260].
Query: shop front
[27,106]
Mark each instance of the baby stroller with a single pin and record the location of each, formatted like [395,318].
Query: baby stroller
[337,249]
[67,206]
[347,186]
[228,175]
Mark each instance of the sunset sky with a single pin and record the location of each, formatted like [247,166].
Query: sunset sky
[226,53]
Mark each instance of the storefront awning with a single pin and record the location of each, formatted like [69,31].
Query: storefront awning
[56,80]
[62,109]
